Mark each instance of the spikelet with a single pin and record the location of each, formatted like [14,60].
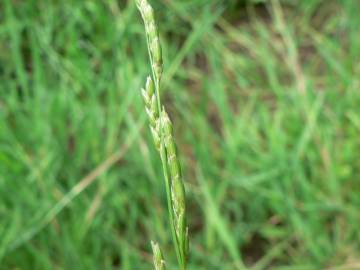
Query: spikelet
[152,111]
[158,259]
[152,35]
[177,185]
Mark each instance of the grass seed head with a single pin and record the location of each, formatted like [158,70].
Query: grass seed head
[162,132]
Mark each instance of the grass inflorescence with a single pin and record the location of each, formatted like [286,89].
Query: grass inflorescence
[162,132]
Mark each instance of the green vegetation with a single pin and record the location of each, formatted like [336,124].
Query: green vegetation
[265,97]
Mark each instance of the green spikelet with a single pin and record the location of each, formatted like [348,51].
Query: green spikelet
[152,35]
[158,259]
[177,185]
[152,111]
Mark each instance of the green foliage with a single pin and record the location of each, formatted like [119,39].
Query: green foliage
[266,106]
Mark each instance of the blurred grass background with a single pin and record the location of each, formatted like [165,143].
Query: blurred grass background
[265,101]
